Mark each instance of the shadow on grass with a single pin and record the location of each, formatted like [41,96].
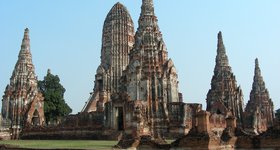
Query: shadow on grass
[59,144]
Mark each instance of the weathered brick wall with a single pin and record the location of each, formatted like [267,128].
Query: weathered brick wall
[70,134]
[80,126]
[5,134]
[93,119]
[217,121]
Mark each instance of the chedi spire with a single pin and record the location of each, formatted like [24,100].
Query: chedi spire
[258,84]
[24,65]
[224,96]
[260,107]
[25,46]
[148,20]
[25,54]
[22,95]
[117,42]
[221,58]
[147,7]
[150,84]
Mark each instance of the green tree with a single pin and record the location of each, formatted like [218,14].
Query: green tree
[277,114]
[55,107]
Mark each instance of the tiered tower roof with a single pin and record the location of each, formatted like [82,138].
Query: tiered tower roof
[117,38]
[224,96]
[221,58]
[259,98]
[24,73]
[258,84]
[22,102]
[117,42]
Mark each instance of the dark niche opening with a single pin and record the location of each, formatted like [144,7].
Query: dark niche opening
[218,112]
[120,119]
[36,118]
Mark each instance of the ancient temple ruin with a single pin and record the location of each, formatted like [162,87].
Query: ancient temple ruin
[149,90]
[259,112]
[224,125]
[22,103]
[224,96]
[117,41]
[137,74]
[136,99]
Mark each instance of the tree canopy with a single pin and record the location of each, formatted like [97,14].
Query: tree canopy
[55,106]
[277,114]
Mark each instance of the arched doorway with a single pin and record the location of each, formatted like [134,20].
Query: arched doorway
[36,118]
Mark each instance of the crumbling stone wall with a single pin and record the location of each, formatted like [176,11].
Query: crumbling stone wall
[93,119]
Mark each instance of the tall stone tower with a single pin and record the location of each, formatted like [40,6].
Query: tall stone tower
[259,110]
[149,84]
[150,75]
[22,102]
[224,96]
[117,41]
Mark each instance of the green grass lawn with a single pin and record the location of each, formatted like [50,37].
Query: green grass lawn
[61,144]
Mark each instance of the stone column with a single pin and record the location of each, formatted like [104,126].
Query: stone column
[203,121]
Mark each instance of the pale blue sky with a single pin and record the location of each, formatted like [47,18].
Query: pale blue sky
[66,37]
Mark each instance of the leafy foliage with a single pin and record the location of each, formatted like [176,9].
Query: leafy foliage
[55,106]
[277,114]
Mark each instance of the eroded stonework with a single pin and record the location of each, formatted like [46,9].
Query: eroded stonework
[224,95]
[137,89]
[259,112]
[22,103]
[117,41]
[136,98]
[150,84]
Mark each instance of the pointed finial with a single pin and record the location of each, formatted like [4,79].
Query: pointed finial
[25,45]
[256,63]
[49,71]
[118,4]
[148,2]
[147,7]
[257,68]
[26,33]
[26,30]
[221,59]
[220,38]
[258,84]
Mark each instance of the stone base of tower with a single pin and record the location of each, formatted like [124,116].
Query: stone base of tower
[205,140]
[5,134]
[15,133]
[142,142]
[267,140]
[212,131]
[197,141]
